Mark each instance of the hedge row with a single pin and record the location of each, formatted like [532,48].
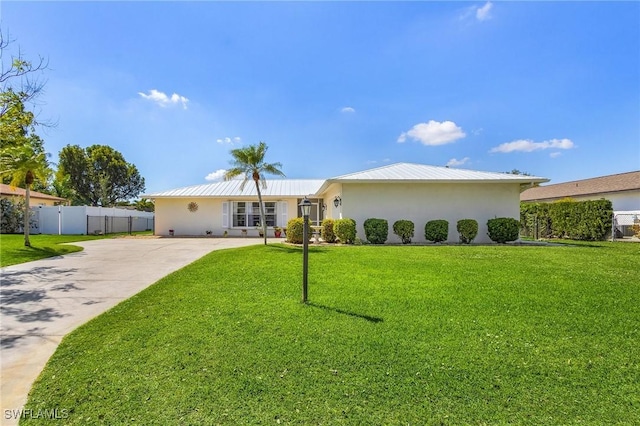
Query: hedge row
[577,220]
[376,230]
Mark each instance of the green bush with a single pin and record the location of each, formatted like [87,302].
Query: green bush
[376,231]
[578,220]
[503,229]
[345,230]
[581,220]
[327,233]
[535,221]
[12,216]
[468,229]
[295,230]
[403,229]
[436,230]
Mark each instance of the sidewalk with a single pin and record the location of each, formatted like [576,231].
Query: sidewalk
[44,300]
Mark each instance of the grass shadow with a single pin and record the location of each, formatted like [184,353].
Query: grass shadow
[295,249]
[343,312]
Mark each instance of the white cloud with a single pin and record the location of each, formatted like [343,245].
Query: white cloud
[347,110]
[433,133]
[555,154]
[217,175]
[228,140]
[483,13]
[527,145]
[163,100]
[455,162]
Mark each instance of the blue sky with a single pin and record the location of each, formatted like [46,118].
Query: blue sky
[549,88]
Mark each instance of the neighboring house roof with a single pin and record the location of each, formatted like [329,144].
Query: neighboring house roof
[231,188]
[588,187]
[399,172]
[8,190]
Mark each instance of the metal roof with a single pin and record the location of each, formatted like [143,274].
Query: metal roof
[421,172]
[399,172]
[231,189]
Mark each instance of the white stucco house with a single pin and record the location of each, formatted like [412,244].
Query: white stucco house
[416,192]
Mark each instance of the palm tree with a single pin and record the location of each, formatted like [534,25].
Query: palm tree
[249,162]
[24,164]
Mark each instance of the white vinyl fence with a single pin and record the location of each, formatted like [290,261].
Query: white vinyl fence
[88,220]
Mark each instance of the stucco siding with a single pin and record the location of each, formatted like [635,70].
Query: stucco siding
[628,200]
[333,191]
[173,214]
[422,202]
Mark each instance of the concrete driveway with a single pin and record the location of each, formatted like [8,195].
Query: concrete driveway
[44,300]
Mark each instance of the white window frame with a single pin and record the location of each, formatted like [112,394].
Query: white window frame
[250,217]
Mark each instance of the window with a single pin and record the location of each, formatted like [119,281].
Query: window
[239,214]
[246,214]
[317,212]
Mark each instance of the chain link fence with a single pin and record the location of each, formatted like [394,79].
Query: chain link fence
[118,224]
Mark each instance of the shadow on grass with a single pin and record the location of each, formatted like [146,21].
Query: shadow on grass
[295,249]
[351,314]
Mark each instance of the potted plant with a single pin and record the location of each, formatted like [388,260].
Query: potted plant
[277,231]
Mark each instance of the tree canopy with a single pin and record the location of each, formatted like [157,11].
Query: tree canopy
[249,162]
[23,161]
[98,175]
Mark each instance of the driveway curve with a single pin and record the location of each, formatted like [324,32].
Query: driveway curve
[44,300]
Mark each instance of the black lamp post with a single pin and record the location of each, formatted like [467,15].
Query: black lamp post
[305,207]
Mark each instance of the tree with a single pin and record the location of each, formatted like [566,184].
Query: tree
[145,205]
[98,175]
[17,132]
[524,186]
[18,85]
[24,164]
[18,77]
[22,155]
[249,162]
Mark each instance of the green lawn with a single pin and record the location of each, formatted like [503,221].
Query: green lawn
[13,250]
[393,335]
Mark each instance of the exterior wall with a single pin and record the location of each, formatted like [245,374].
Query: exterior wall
[334,190]
[172,214]
[35,201]
[422,202]
[628,200]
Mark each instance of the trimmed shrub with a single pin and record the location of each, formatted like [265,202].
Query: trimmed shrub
[468,229]
[436,230]
[503,229]
[580,220]
[345,230]
[376,231]
[403,229]
[327,233]
[295,230]
[535,221]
